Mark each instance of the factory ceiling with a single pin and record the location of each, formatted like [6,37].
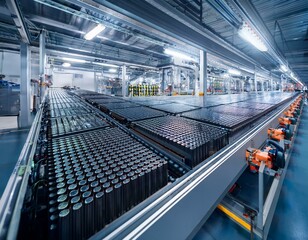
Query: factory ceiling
[138,31]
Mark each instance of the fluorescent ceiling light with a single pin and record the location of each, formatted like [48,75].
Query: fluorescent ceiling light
[175,53]
[105,64]
[225,75]
[112,70]
[94,32]
[283,68]
[80,50]
[74,60]
[250,36]
[66,64]
[234,72]
[292,75]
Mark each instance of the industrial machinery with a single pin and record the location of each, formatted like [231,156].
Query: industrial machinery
[250,202]
[83,173]
[279,134]
[272,156]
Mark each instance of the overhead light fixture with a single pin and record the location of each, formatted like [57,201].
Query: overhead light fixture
[66,64]
[234,72]
[80,50]
[248,34]
[105,64]
[94,32]
[225,75]
[112,70]
[177,54]
[74,60]
[283,68]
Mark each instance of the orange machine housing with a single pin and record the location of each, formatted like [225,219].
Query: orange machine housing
[255,156]
[276,134]
[284,121]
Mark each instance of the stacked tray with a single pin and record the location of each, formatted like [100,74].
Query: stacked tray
[95,177]
[136,114]
[116,105]
[218,119]
[252,105]
[235,111]
[174,108]
[194,140]
[74,124]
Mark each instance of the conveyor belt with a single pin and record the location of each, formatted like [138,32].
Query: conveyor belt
[189,138]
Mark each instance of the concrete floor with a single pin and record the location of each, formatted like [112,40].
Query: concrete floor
[291,216]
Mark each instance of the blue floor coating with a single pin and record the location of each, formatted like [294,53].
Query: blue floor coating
[291,216]
[11,143]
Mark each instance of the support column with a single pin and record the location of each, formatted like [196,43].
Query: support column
[25,85]
[281,82]
[229,85]
[124,85]
[163,82]
[203,73]
[271,82]
[256,84]
[42,64]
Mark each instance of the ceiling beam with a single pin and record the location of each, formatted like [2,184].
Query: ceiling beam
[179,26]
[19,20]
[98,20]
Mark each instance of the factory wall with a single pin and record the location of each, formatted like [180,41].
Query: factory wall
[10,66]
[74,78]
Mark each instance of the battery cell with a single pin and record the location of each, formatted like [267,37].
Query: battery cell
[97,176]
[194,140]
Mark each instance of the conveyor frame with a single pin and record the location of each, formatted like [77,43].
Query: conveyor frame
[166,211]
[180,211]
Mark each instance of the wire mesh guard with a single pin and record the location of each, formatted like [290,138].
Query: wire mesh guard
[194,140]
[95,177]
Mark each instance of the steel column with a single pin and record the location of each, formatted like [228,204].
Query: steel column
[42,63]
[25,67]
[203,73]
[271,81]
[124,85]
[261,195]
[256,84]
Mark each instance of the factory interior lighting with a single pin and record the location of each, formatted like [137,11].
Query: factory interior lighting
[112,70]
[66,64]
[105,64]
[248,34]
[74,60]
[94,32]
[177,54]
[234,72]
[283,68]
